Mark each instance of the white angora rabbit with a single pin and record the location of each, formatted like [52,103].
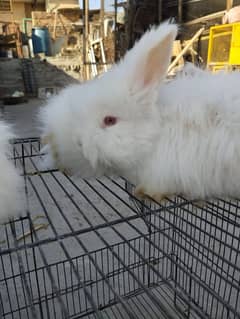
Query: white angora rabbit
[11,201]
[169,138]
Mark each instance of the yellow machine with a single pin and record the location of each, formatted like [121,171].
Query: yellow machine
[224,47]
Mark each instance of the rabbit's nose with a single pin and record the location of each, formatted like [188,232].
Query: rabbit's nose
[79,144]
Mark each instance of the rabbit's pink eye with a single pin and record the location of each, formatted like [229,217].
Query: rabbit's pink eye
[109,120]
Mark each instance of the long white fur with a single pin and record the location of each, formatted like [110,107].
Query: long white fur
[11,201]
[181,137]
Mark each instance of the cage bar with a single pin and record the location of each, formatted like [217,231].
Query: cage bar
[102,253]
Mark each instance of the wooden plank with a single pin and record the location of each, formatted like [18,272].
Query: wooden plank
[92,59]
[96,41]
[103,56]
[177,48]
[206,18]
[185,49]
[63,6]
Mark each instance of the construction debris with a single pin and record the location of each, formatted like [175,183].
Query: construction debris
[83,42]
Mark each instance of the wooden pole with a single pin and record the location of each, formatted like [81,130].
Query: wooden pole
[86,23]
[115,30]
[11,6]
[85,37]
[102,19]
[19,43]
[160,8]
[11,10]
[17,31]
[229,4]
[180,11]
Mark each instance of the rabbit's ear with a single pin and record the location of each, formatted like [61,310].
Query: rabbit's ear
[151,55]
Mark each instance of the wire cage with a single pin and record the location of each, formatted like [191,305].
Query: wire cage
[90,249]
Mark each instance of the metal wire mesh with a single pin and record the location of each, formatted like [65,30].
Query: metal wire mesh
[89,249]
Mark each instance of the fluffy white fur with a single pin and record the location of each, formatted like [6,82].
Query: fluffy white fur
[180,137]
[10,180]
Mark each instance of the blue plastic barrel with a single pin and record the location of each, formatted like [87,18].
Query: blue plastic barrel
[41,40]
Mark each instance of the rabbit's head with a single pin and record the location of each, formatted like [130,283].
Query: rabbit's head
[111,122]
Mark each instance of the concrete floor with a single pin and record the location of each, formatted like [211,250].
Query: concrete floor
[23,117]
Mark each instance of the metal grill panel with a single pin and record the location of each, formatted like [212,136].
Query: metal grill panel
[89,249]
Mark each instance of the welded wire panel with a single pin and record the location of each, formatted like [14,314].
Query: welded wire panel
[89,249]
